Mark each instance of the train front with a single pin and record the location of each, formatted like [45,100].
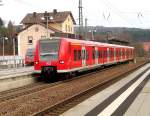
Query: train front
[46,57]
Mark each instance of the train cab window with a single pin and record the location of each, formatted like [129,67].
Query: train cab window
[49,49]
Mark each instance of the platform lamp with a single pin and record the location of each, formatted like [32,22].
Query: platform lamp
[14,53]
[4,38]
[92,31]
[47,17]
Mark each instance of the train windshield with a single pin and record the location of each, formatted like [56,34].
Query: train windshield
[30,52]
[49,49]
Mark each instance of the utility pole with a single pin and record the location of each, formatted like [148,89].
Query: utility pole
[86,28]
[47,17]
[1,3]
[80,18]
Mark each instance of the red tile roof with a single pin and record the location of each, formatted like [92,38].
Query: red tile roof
[49,27]
[58,17]
[146,46]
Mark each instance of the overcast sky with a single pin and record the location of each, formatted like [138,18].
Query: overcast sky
[112,13]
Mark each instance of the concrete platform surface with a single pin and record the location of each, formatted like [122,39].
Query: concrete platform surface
[13,72]
[141,105]
[16,77]
[116,101]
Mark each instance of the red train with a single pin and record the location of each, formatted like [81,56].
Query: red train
[29,56]
[66,56]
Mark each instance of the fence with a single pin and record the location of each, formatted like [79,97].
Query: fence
[11,61]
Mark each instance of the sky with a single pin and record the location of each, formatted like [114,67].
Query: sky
[110,13]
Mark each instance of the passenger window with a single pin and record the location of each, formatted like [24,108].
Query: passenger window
[75,55]
[99,54]
[93,54]
[79,54]
[87,55]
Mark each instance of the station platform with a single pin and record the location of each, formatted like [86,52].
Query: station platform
[129,97]
[13,72]
[16,77]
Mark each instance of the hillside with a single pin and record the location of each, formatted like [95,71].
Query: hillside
[134,34]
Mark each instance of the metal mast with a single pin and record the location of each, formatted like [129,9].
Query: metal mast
[80,18]
[1,4]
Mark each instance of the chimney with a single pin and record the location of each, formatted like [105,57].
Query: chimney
[34,14]
[55,11]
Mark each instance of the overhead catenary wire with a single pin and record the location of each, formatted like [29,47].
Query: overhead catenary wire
[116,11]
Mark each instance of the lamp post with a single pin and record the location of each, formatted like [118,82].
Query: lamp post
[4,38]
[92,32]
[47,17]
[107,36]
[14,53]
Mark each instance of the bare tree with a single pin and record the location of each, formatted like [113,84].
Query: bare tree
[1,22]
[11,31]
[1,3]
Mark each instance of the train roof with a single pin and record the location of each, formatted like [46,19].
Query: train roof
[76,41]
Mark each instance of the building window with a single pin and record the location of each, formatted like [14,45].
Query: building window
[71,29]
[43,37]
[66,28]
[30,40]
[36,29]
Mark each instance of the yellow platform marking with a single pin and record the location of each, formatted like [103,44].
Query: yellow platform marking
[146,90]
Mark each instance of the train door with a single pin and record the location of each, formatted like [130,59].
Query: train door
[114,54]
[108,55]
[121,58]
[83,56]
[104,55]
[125,55]
[96,55]
[117,54]
[100,55]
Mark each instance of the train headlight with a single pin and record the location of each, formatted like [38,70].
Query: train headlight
[36,62]
[61,62]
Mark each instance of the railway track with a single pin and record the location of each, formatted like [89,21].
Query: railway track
[29,89]
[35,87]
[68,103]
[56,107]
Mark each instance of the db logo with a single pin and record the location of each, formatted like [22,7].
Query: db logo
[48,63]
